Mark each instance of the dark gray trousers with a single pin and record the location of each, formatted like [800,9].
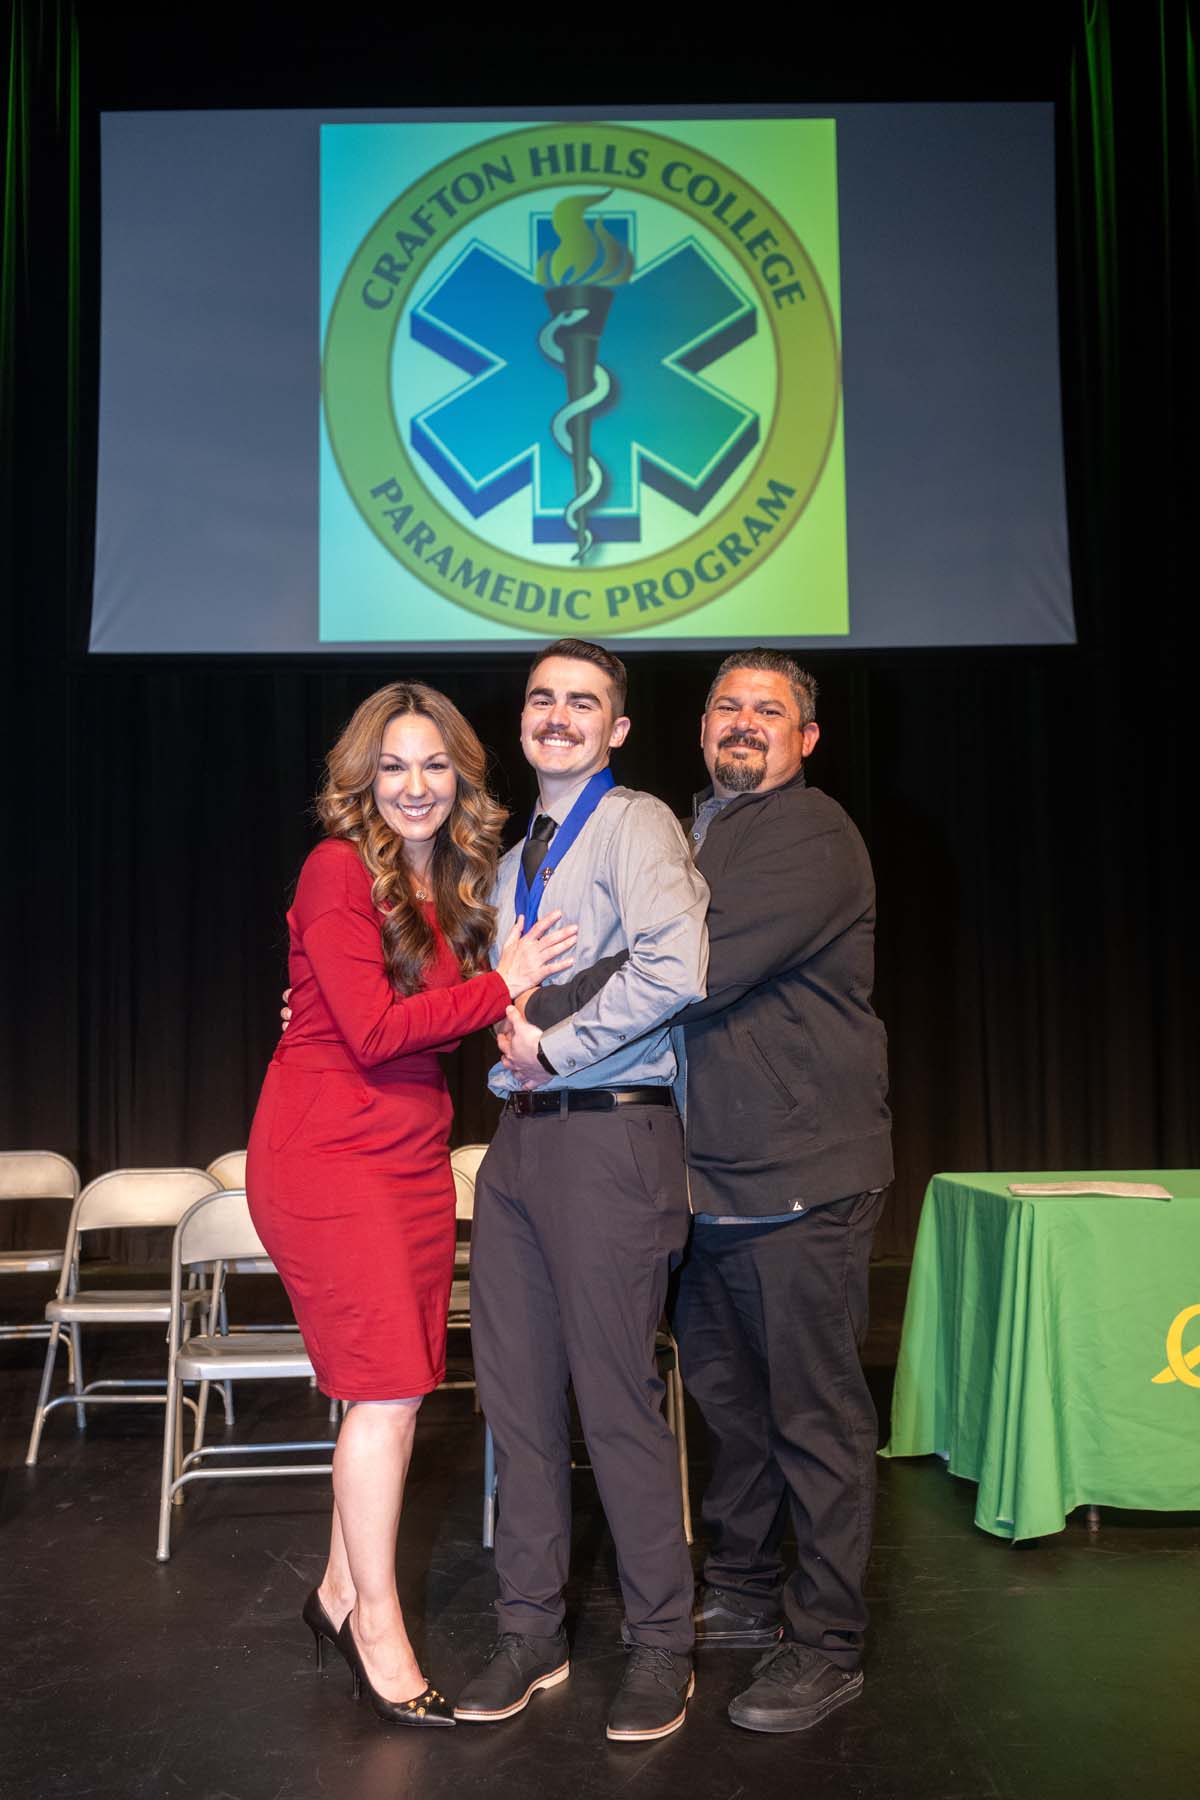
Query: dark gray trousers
[577,1219]
[769,1320]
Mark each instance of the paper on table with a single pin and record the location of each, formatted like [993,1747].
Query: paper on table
[1128,1190]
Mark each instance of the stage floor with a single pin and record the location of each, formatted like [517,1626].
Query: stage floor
[1057,1670]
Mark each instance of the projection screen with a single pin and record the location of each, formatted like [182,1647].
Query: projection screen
[449,381]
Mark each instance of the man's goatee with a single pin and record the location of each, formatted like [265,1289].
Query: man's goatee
[740,777]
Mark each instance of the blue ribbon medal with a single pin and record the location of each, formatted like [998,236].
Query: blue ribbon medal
[526,903]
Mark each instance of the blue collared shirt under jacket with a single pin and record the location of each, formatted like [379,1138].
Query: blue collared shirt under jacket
[629,883]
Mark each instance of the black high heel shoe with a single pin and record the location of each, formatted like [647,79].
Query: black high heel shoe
[321,1625]
[429,1708]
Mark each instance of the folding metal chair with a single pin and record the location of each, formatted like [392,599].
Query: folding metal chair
[230,1170]
[218,1230]
[124,1199]
[464,1165]
[36,1175]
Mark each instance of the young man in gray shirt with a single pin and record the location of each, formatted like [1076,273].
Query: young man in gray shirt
[581,1206]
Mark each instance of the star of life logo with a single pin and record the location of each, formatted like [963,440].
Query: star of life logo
[555,375]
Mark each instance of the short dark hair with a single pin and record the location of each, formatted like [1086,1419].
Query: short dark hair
[775,662]
[581,651]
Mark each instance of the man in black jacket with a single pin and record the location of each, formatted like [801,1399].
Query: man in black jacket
[788,1149]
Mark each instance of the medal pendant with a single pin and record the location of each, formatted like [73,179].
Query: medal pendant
[546,874]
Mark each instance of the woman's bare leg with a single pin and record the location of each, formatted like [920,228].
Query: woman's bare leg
[337,1584]
[370,1467]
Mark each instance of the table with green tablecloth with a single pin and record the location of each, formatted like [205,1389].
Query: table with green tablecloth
[1051,1347]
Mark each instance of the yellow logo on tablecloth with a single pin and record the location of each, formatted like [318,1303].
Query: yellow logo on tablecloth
[1179,1366]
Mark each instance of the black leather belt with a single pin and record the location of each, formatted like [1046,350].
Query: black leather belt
[538,1104]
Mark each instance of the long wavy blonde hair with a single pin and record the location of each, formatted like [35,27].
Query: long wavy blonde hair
[465,850]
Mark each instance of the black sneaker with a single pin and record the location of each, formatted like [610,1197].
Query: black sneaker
[729,1622]
[516,1667]
[652,1699]
[793,1687]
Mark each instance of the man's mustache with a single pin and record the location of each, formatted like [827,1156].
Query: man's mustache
[561,731]
[741,737]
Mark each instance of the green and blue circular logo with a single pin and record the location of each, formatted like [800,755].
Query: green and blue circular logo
[581,376]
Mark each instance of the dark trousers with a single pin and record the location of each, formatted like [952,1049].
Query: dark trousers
[769,1320]
[577,1220]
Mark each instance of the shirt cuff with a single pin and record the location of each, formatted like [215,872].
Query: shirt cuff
[568,1053]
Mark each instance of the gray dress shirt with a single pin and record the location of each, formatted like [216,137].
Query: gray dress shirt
[629,884]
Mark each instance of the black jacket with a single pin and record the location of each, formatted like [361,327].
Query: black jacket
[786,1061]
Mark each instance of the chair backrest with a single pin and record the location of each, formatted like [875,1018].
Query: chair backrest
[130,1197]
[217,1228]
[37,1175]
[229,1169]
[464,1166]
[127,1198]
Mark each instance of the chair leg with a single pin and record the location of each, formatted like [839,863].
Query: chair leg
[223,1327]
[200,1407]
[170,1460]
[679,1427]
[489,1490]
[75,1358]
[202,1412]
[201,1415]
[177,1438]
[39,1417]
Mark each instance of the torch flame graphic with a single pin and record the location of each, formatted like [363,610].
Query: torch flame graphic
[580,276]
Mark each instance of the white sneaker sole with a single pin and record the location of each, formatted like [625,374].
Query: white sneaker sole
[506,1712]
[659,1731]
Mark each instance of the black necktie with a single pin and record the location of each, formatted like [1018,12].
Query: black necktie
[536,846]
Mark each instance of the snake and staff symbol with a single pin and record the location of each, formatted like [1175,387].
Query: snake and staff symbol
[580,277]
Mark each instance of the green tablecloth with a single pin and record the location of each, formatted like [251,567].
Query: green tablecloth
[1033,1334]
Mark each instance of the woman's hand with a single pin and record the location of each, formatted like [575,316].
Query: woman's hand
[526,961]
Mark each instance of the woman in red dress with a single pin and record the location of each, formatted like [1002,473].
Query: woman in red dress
[348,1173]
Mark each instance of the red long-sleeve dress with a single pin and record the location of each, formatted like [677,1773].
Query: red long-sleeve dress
[348,1176]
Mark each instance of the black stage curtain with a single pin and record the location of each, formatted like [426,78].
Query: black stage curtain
[1025,810]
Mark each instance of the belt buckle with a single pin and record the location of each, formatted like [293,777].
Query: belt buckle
[530,1105]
